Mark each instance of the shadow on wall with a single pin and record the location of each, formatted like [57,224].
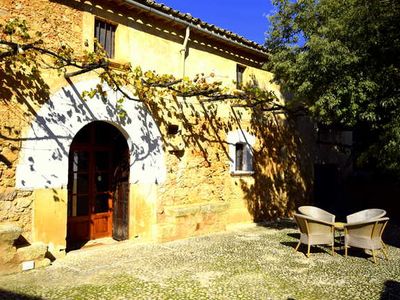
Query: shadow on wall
[282,166]
[198,123]
[282,179]
[57,122]
[22,92]
[25,84]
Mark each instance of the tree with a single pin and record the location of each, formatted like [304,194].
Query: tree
[340,60]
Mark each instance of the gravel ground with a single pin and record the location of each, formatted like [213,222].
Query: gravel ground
[256,262]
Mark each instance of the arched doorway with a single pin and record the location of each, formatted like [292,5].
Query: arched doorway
[98,185]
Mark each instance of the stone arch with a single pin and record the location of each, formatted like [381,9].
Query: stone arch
[43,160]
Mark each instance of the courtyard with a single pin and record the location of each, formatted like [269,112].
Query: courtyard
[247,262]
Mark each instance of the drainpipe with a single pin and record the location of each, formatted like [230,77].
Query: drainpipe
[184,51]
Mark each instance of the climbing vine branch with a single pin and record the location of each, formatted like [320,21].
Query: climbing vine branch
[21,49]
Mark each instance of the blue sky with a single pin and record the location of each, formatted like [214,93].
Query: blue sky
[247,18]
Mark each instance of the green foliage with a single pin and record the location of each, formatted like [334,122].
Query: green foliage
[340,59]
[16,28]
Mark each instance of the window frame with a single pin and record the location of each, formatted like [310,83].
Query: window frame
[109,36]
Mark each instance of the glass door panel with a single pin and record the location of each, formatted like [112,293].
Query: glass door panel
[102,159]
[101,203]
[80,161]
[82,205]
[102,182]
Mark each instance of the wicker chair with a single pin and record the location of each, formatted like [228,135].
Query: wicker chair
[366,235]
[314,232]
[366,215]
[317,213]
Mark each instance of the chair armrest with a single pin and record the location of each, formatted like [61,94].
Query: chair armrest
[366,222]
[318,221]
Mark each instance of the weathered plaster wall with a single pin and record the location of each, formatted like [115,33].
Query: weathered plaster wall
[143,212]
[57,122]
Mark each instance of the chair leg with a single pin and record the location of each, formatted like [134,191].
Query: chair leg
[384,245]
[384,250]
[297,247]
[345,251]
[333,249]
[385,254]
[373,255]
[308,250]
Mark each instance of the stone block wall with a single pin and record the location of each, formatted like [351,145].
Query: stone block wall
[200,172]
[15,206]
[182,221]
[58,22]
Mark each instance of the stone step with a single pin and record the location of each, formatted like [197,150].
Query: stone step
[16,259]
[35,251]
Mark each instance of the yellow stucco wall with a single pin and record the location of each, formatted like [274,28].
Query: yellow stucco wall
[142,212]
[155,46]
[50,216]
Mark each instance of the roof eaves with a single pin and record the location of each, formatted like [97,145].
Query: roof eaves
[199,24]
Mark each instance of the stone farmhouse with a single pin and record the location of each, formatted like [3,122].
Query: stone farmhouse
[74,170]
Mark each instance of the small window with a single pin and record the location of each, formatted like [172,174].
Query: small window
[243,158]
[239,76]
[239,155]
[241,152]
[105,35]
